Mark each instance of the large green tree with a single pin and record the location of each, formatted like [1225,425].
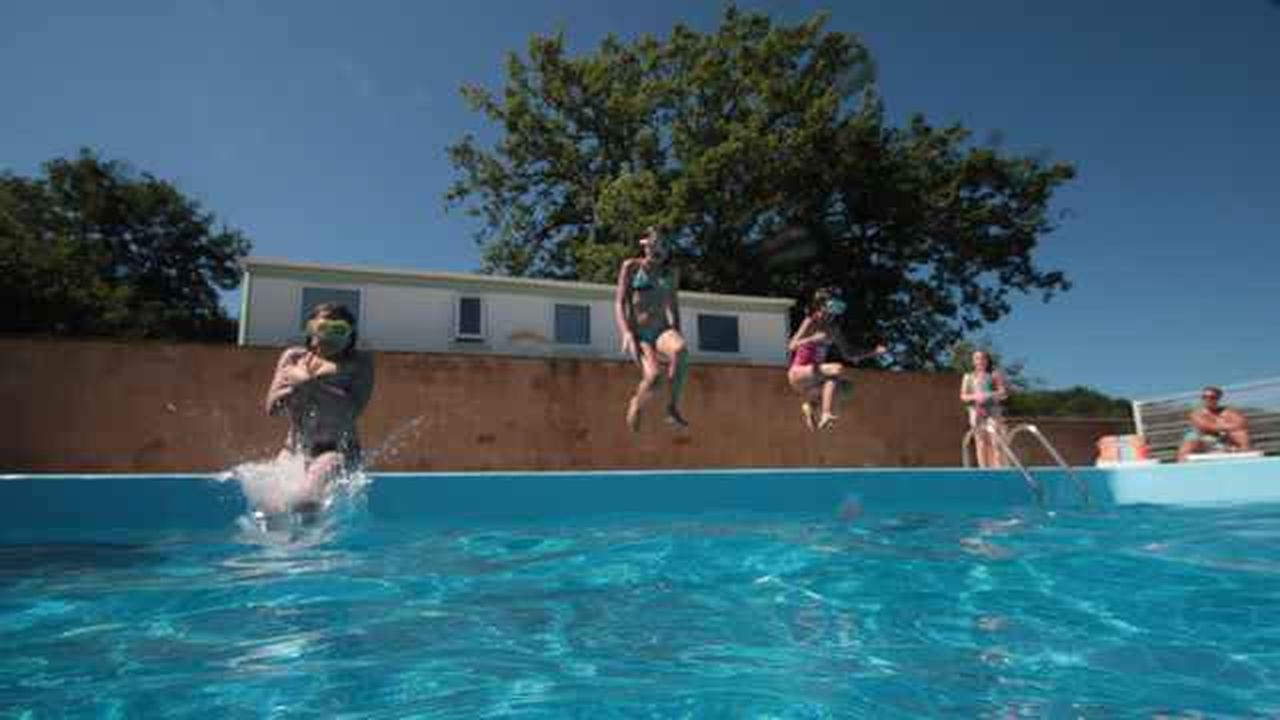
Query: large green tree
[766,153]
[91,247]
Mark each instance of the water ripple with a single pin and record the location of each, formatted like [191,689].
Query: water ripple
[1120,612]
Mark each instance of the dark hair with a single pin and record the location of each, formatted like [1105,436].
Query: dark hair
[991,359]
[1217,391]
[336,311]
[653,232]
[821,296]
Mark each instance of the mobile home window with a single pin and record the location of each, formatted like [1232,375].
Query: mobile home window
[573,324]
[313,296]
[718,333]
[470,318]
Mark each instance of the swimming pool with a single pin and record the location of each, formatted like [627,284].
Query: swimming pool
[770,594]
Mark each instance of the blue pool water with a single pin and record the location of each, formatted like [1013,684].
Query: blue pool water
[789,596]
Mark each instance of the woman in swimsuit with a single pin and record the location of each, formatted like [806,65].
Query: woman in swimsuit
[810,374]
[647,312]
[322,388]
[984,391]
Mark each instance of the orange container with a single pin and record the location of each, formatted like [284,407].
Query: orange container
[1122,448]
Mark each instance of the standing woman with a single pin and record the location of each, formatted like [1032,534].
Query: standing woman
[322,388]
[647,312]
[983,391]
[810,373]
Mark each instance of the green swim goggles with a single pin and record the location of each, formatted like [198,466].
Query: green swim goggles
[336,329]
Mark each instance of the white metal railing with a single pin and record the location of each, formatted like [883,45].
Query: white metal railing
[1163,422]
[1004,443]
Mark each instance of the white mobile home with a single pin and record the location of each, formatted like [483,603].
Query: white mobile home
[411,310]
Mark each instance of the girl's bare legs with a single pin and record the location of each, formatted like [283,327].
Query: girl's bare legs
[672,346]
[650,378]
[812,406]
[804,380]
[818,384]
[982,446]
[997,456]
[321,471]
[830,373]
[988,450]
[298,485]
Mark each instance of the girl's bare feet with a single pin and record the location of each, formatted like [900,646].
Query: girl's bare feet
[806,410]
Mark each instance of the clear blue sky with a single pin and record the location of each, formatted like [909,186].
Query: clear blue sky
[320,128]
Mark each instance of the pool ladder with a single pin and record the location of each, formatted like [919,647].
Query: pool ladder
[1004,442]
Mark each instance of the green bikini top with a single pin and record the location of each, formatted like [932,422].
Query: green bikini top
[642,281]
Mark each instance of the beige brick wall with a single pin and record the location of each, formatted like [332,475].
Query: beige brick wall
[104,406]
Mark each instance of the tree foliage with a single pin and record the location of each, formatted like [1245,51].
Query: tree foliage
[765,151]
[92,248]
[1030,397]
[1077,401]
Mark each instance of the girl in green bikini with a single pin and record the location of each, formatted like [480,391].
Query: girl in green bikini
[984,391]
[647,312]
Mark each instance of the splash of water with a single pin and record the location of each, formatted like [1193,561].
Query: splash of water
[272,487]
[397,440]
[269,483]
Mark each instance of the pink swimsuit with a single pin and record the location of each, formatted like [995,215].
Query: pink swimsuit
[810,353]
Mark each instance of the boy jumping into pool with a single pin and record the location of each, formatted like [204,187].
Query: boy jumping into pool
[810,373]
[322,388]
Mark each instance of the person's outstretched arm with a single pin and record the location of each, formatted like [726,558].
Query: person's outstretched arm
[841,342]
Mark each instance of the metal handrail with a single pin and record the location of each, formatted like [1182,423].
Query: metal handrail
[1004,442]
[990,428]
[1057,457]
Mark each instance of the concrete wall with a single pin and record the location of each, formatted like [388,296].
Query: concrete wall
[518,319]
[154,407]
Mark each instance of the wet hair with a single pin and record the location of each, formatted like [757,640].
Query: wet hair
[1217,391]
[335,311]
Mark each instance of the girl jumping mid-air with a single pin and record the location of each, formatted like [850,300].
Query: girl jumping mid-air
[322,388]
[647,312]
[810,373]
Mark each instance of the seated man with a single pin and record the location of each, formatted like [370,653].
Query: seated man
[1214,428]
